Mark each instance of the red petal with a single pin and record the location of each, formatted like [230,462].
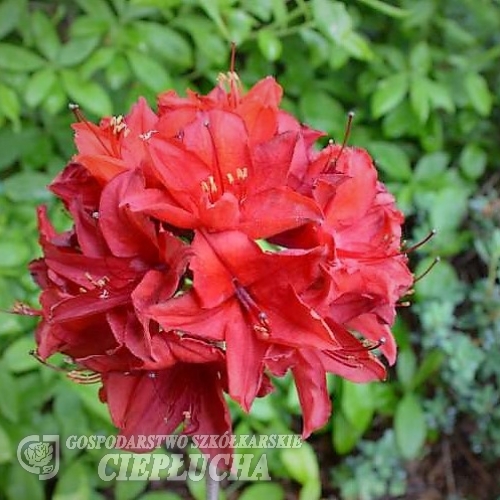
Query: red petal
[245,361]
[310,379]
[127,233]
[271,212]
[102,167]
[156,403]
[352,360]
[271,162]
[163,206]
[259,109]
[220,140]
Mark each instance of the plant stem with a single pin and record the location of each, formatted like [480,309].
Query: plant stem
[212,486]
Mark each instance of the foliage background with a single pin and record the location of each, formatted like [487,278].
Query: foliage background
[424,80]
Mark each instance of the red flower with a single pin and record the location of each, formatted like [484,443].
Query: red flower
[97,282]
[235,300]
[185,388]
[249,299]
[165,286]
[117,144]
[212,176]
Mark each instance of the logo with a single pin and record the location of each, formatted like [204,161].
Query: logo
[39,455]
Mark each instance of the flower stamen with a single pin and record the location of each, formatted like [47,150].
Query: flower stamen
[261,324]
[100,283]
[147,135]
[366,345]
[428,270]
[216,180]
[118,125]
[420,243]
[347,133]
[78,375]
[24,309]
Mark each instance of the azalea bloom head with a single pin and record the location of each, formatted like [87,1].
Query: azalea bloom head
[214,247]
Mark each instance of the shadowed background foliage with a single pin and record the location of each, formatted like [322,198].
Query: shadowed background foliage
[424,80]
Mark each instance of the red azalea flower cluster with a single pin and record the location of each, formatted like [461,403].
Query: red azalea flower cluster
[214,248]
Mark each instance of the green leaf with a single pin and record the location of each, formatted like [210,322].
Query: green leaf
[262,9]
[449,208]
[196,488]
[410,426]
[473,160]
[356,46]
[89,95]
[14,58]
[301,463]
[332,18]
[99,9]
[9,404]
[318,46]
[70,415]
[73,483]
[211,47]
[420,59]
[385,8]
[389,93]
[77,50]
[440,96]
[406,367]
[322,111]
[89,397]
[101,58]
[9,324]
[155,495]
[392,160]
[13,253]
[269,491]
[239,25]
[401,121]
[17,357]
[404,197]
[56,98]
[430,166]
[420,97]
[11,146]
[118,72]
[167,43]
[386,398]
[87,26]
[310,491]
[6,453]
[128,490]
[39,86]
[9,104]
[280,12]
[441,282]
[432,135]
[149,72]
[357,404]
[269,45]
[213,11]
[27,186]
[23,484]
[10,14]
[430,365]
[46,38]
[263,409]
[479,94]
[345,436]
